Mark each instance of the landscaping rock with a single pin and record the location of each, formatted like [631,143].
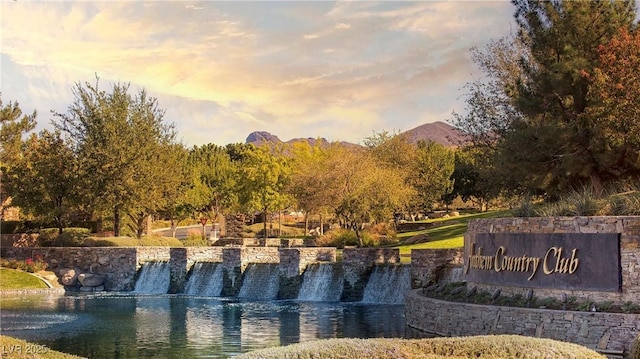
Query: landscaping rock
[68,277]
[90,280]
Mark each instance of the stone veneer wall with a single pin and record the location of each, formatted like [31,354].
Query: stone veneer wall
[182,259]
[606,332]
[358,264]
[627,226]
[428,264]
[117,265]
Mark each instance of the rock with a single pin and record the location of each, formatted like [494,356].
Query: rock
[103,260]
[68,277]
[90,280]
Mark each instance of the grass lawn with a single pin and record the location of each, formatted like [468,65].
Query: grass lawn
[15,279]
[450,234]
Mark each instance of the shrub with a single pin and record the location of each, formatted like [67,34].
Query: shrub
[490,347]
[381,234]
[71,237]
[195,241]
[338,238]
[155,241]
[31,265]
[526,208]
[46,236]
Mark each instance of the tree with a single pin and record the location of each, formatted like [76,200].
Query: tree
[262,181]
[165,184]
[534,109]
[119,140]
[361,191]
[398,153]
[45,181]
[434,167]
[475,177]
[212,189]
[615,114]
[14,125]
[307,184]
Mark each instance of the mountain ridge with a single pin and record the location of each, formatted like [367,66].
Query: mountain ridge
[439,132]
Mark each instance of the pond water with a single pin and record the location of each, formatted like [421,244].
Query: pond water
[118,325]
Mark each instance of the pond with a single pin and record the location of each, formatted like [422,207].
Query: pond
[123,325]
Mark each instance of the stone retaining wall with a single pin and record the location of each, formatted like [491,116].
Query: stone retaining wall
[627,226]
[427,265]
[120,265]
[601,331]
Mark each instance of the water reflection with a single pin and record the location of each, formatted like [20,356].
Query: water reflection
[125,326]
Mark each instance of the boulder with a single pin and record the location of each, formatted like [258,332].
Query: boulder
[103,260]
[68,277]
[90,280]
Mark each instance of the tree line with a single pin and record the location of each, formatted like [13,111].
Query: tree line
[111,154]
[557,109]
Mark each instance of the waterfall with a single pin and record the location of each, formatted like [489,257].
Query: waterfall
[205,279]
[261,282]
[322,283]
[387,284]
[154,278]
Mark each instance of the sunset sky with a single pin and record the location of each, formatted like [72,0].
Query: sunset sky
[221,70]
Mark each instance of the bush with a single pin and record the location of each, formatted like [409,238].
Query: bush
[71,237]
[584,202]
[31,265]
[195,241]
[338,238]
[488,347]
[46,236]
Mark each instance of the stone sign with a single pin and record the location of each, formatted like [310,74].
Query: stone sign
[575,261]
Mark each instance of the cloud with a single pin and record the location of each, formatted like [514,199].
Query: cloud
[333,67]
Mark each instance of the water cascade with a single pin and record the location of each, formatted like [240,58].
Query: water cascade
[154,278]
[261,282]
[387,284]
[322,283]
[205,280]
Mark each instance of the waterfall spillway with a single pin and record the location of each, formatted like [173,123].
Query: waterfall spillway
[387,285]
[322,283]
[205,279]
[154,278]
[261,282]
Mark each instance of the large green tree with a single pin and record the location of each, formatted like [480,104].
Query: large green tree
[434,166]
[13,128]
[263,179]
[307,179]
[213,182]
[120,140]
[360,190]
[45,182]
[535,107]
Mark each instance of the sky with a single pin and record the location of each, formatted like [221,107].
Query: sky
[221,70]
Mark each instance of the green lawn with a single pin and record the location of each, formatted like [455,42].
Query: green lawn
[450,234]
[14,279]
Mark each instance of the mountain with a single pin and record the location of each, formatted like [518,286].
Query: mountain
[438,132]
